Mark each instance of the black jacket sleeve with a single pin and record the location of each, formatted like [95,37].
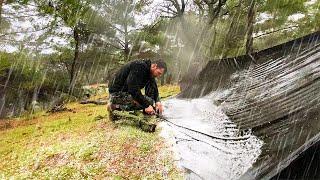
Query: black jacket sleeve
[134,82]
[152,91]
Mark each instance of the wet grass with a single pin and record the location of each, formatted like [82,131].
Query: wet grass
[83,144]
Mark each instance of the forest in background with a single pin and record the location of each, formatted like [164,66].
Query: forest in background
[51,48]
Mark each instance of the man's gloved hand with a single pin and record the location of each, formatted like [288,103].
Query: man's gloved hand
[149,110]
[159,107]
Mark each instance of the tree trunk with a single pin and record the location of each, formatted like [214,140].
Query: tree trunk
[126,49]
[233,31]
[214,9]
[126,42]
[4,90]
[251,16]
[2,103]
[213,13]
[213,42]
[162,81]
[1,3]
[73,74]
[126,39]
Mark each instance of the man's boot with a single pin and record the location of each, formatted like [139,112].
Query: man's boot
[110,109]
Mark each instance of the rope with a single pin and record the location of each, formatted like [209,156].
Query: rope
[205,134]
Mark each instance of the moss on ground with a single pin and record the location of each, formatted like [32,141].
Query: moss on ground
[83,144]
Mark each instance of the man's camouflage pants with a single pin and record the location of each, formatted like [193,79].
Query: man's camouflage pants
[124,101]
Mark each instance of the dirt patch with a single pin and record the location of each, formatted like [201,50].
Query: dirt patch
[56,160]
[9,124]
[13,123]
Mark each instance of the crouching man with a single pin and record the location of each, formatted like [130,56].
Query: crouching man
[125,88]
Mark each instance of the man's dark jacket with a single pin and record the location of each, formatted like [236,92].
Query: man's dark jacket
[133,77]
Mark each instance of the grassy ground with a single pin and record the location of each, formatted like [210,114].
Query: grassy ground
[83,144]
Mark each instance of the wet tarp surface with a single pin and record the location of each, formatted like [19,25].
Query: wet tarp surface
[206,143]
[275,93]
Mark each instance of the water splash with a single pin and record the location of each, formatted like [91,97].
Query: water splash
[201,156]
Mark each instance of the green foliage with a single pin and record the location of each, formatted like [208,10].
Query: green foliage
[30,79]
[280,28]
[4,64]
[283,7]
[122,13]
[70,11]
[158,38]
[23,70]
[118,18]
[98,24]
[141,4]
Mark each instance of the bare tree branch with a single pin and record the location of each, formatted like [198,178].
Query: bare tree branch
[178,10]
[168,8]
